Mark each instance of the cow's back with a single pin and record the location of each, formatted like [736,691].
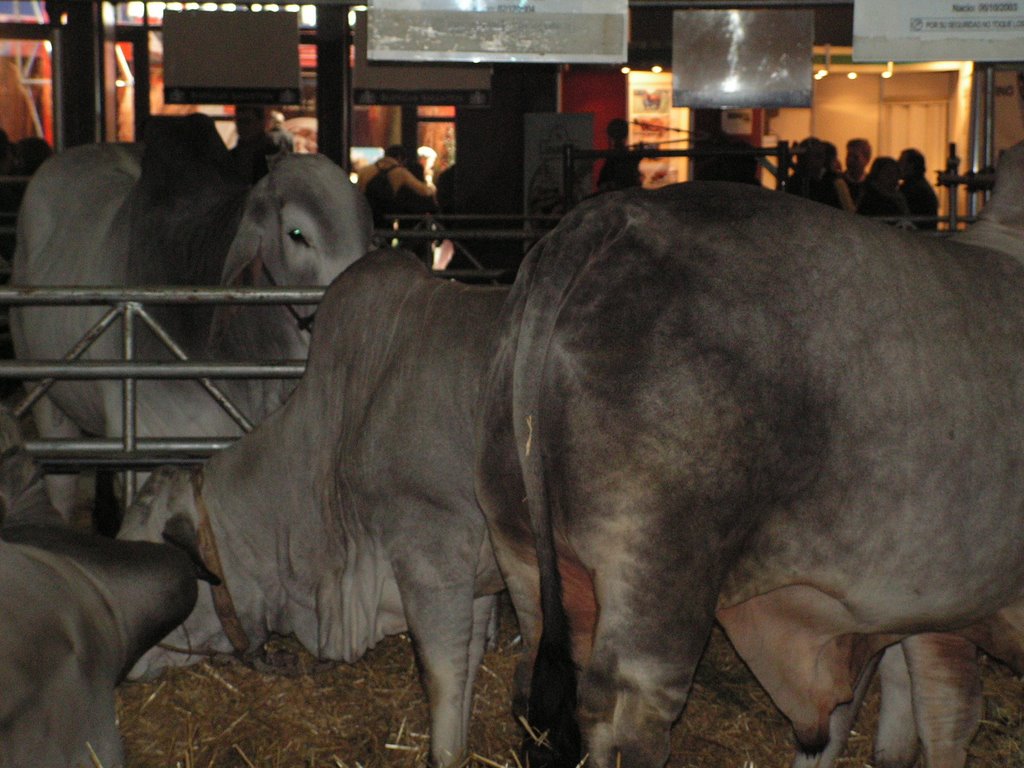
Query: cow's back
[406,368]
[840,369]
[73,230]
[72,208]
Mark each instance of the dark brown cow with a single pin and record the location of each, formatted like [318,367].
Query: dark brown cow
[77,610]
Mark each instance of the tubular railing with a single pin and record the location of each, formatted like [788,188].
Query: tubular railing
[464,231]
[127,307]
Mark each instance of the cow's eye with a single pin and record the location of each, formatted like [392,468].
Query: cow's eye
[297,236]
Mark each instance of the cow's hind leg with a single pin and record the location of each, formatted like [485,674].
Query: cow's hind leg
[652,626]
[896,743]
[946,684]
[444,625]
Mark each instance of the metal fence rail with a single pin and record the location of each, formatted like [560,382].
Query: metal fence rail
[128,305]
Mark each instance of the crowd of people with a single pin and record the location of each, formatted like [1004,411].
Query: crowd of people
[884,186]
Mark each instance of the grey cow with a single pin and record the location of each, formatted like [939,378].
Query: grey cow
[713,402]
[76,612]
[172,212]
[350,514]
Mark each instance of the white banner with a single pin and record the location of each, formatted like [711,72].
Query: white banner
[557,31]
[931,30]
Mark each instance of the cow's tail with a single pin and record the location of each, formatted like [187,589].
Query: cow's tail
[553,740]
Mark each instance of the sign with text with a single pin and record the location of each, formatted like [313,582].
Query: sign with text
[930,30]
[554,31]
[409,83]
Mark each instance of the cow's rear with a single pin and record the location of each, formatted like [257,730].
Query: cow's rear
[788,435]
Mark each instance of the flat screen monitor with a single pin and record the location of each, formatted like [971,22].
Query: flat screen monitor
[739,59]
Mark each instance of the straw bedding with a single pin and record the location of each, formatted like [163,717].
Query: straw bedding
[290,711]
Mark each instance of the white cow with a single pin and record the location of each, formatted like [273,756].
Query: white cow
[172,212]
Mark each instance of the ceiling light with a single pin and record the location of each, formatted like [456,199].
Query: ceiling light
[625,70]
[656,69]
[888,70]
[852,75]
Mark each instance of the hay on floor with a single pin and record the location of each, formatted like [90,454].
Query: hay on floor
[372,714]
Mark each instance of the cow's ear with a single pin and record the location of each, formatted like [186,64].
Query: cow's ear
[180,532]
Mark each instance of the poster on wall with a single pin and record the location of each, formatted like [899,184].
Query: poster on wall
[750,58]
[554,31]
[650,112]
[930,30]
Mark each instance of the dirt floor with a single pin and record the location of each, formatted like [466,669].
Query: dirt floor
[372,714]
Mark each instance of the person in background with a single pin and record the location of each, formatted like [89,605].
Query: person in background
[921,198]
[729,161]
[446,190]
[881,195]
[619,171]
[390,187]
[816,175]
[858,157]
[280,136]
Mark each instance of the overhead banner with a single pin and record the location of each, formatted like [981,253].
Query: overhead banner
[221,57]
[408,83]
[742,59]
[931,30]
[553,31]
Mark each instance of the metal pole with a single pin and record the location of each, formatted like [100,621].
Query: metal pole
[128,406]
[215,392]
[952,169]
[76,352]
[976,135]
[567,175]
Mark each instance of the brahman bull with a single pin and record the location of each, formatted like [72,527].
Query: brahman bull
[715,402]
[77,610]
[172,212]
[350,513]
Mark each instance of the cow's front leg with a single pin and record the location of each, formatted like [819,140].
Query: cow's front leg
[441,622]
[484,622]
